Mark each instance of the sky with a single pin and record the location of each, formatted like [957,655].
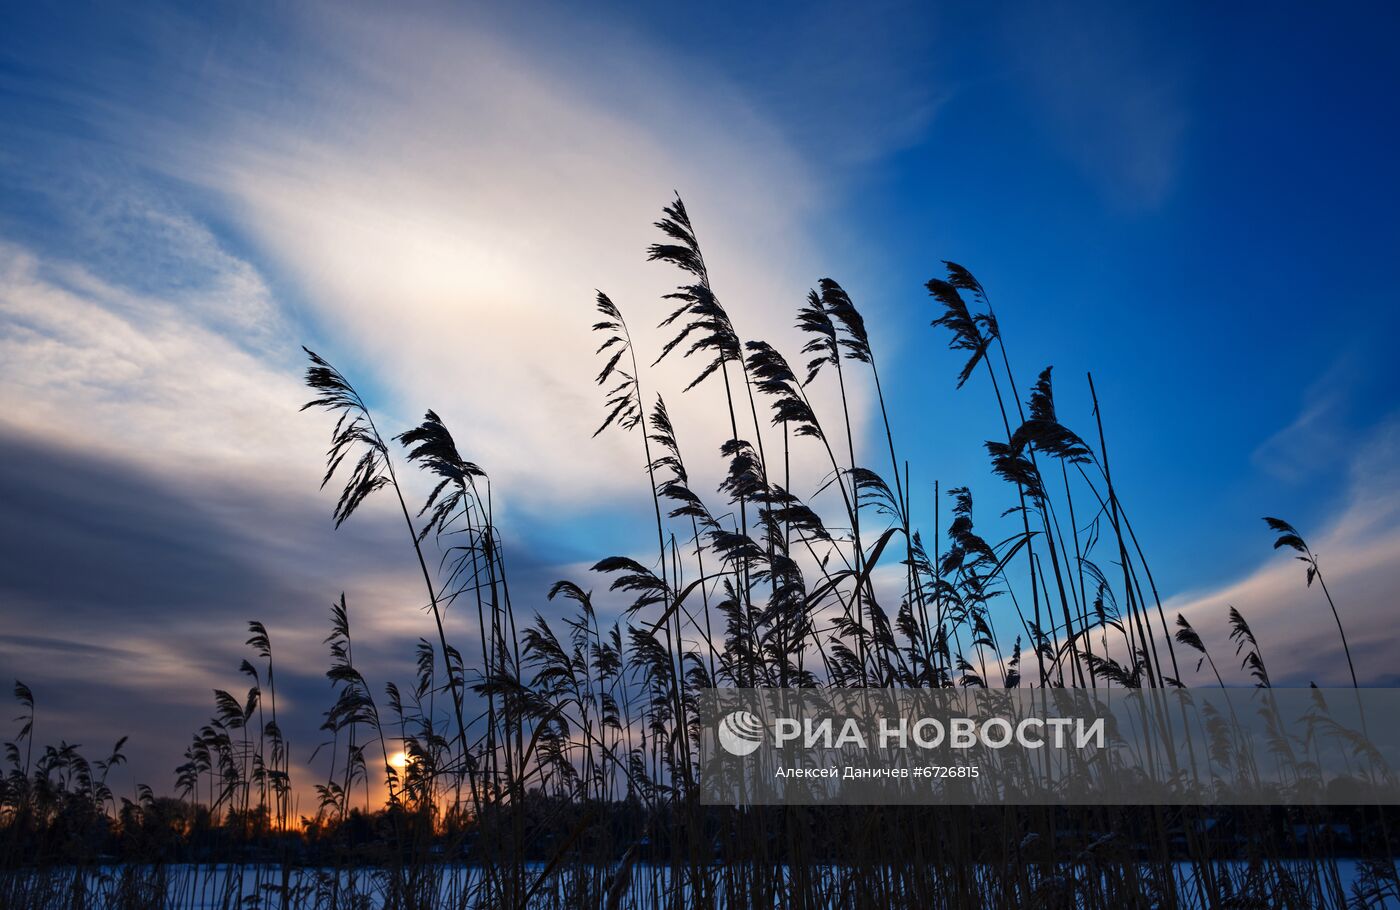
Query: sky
[1196,204]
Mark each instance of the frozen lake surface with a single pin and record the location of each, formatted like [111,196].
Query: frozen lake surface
[261,887]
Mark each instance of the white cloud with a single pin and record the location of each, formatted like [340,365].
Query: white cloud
[147,379]
[436,196]
[449,212]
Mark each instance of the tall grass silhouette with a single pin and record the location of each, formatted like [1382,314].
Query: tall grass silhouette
[554,761]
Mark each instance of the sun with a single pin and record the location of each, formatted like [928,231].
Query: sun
[398,760]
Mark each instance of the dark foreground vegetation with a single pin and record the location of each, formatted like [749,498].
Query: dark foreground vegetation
[554,764]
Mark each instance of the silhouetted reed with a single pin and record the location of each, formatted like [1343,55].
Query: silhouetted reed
[552,761]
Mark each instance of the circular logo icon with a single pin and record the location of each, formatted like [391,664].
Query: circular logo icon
[740,733]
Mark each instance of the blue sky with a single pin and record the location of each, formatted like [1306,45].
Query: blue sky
[1197,204]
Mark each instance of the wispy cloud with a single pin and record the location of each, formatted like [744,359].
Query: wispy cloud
[1318,438]
[447,222]
[1358,550]
[1112,98]
[161,380]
